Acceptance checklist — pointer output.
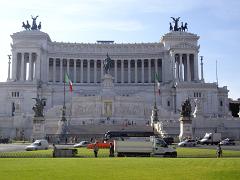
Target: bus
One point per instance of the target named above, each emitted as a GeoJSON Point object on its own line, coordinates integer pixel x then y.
{"type": "Point", "coordinates": [111, 135]}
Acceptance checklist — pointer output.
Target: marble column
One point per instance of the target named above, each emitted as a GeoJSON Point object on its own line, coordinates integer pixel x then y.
{"type": "Point", "coordinates": [188, 68]}
{"type": "Point", "coordinates": [149, 71]}
{"type": "Point", "coordinates": [68, 64]}
{"type": "Point", "coordinates": [136, 79]}
{"type": "Point", "coordinates": [47, 71]}
{"type": "Point", "coordinates": [156, 66]}
{"type": "Point", "coordinates": [142, 61]}
{"type": "Point", "coordinates": [81, 71]}
{"type": "Point", "coordinates": [95, 70]}
{"type": "Point", "coordinates": [115, 71]}
{"type": "Point", "coordinates": [177, 70]}
{"type": "Point", "coordinates": [54, 70]}
{"type": "Point", "coordinates": [30, 72]}
{"type": "Point", "coordinates": [196, 78]}
{"type": "Point", "coordinates": [88, 70]}
{"type": "Point", "coordinates": [61, 70]}
{"type": "Point", "coordinates": [102, 61]}
{"type": "Point", "coordinates": [173, 67]}
{"type": "Point", "coordinates": [74, 70]}
{"type": "Point", "coordinates": [181, 65]}
{"type": "Point", "coordinates": [22, 67]}
{"type": "Point", "coordinates": [122, 71]}
{"type": "Point", "coordinates": [14, 65]}
{"type": "Point", "coordinates": [129, 71]}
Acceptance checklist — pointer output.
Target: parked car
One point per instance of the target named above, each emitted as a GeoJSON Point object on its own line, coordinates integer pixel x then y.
{"type": "Point", "coordinates": [38, 145]}
{"type": "Point", "coordinates": [81, 144]}
{"type": "Point", "coordinates": [227, 141]}
{"type": "Point", "coordinates": [187, 143]}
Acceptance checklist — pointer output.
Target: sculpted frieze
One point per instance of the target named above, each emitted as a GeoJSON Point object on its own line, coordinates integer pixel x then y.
{"type": "Point", "coordinates": [84, 109]}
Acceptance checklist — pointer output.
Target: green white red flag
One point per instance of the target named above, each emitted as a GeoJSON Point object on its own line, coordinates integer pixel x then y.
{"type": "Point", "coordinates": [69, 82]}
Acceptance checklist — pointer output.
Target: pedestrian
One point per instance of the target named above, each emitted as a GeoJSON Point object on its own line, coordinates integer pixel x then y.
{"type": "Point", "coordinates": [219, 151]}
{"type": "Point", "coordinates": [54, 150]}
{"type": "Point", "coordinates": [95, 149]}
{"type": "Point", "coordinates": [111, 150]}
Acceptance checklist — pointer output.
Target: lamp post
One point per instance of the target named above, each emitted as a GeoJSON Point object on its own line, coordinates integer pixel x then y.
{"type": "Point", "coordinates": [9, 63]}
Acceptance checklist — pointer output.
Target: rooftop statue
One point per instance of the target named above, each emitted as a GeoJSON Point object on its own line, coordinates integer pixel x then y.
{"type": "Point", "coordinates": [34, 26]}
{"type": "Point", "coordinates": [107, 64]}
{"type": "Point", "coordinates": [176, 27]}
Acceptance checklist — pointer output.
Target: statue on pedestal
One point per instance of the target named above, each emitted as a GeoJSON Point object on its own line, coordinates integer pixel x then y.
{"type": "Point", "coordinates": [186, 121]}
{"type": "Point", "coordinates": [38, 119]}
{"type": "Point", "coordinates": [186, 109]}
{"type": "Point", "coordinates": [38, 108]}
{"type": "Point", "coordinates": [107, 64]}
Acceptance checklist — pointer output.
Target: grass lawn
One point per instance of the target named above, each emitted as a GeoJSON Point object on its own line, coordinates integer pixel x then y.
{"type": "Point", "coordinates": [120, 168]}
{"type": "Point", "coordinates": [83, 152]}
{"type": "Point", "coordinates": [192, 163]}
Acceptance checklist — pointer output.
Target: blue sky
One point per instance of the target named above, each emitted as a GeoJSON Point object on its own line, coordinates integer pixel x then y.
{"type": "Point", "coordinates": [217, 22]}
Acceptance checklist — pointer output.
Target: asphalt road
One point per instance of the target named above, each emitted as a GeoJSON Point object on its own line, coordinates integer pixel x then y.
{"type": "Point", "coordinates": [12, 147]}
{"type": "Point", "coordinates": [21, 147]}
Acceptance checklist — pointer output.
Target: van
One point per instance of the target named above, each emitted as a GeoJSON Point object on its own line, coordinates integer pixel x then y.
{"type": "Point", "coordinates": [38, 145]}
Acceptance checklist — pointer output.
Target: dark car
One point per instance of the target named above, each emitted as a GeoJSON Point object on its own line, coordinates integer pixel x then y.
{"type": "Point", "coordinates": [169, 140]}
{"type": "Point", "coordinates": [227, 141]}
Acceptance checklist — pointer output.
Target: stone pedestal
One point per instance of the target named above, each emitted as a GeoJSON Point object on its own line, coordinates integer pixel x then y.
{"type": "Point", "coordinates": [38, 128]}
{"type": "Point", "coordinates": [185, 128]}
{"type": "Point", "coordinates": [107, 85]}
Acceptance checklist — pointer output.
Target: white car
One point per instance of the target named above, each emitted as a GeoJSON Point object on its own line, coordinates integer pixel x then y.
{"type": "Point", "coordinates": [81, 144]}
{"type": "Point", "coordinates": [187, 143]}
{"type": "Point", "coordinates": [227, 141]}
{"type": "Point", "coordinates": [38, 145]}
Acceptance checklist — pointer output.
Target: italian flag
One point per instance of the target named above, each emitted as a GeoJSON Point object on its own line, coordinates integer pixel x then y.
{"type": "Point", "coordinates": [69, 82]}
{"type": "Point", "coordinates": [157, 79]}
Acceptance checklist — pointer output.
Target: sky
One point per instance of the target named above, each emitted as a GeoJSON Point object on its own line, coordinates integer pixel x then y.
{"type": "Point", "coordinates": [217, 22]}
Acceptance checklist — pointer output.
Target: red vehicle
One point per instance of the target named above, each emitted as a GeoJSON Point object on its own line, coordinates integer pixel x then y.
{"type": "Point", "coordinates": [101, 145]}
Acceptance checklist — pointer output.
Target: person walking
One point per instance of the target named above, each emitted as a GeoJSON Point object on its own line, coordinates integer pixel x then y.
{"type": "Point", "coordinates": [95, 149]}
{"type": "Point", "coordinates": [111, 150]}
{"type": "Point", "coordinates": [219, 151]}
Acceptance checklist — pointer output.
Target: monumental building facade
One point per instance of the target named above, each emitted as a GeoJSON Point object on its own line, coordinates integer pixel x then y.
{"type": "Point", "coordinates": [38, 67]}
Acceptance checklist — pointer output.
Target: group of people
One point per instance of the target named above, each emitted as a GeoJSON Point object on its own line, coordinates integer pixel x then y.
{"type": "Point", "coordinates": [96, 149]}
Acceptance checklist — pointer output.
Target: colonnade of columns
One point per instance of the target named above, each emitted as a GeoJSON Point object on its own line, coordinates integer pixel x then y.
{"type": "Point", "coordinates": [91, 71]}
{"type": "Point", "coordinates": [186, 67]}
{"type": "Point", "coordinates": [24, 66]}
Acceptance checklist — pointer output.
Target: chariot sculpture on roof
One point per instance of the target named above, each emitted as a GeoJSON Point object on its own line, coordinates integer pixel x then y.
{"type": "Point", "coordinates": [34, 26]}
{"type": "Point", "coordinates": [176, 27]}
